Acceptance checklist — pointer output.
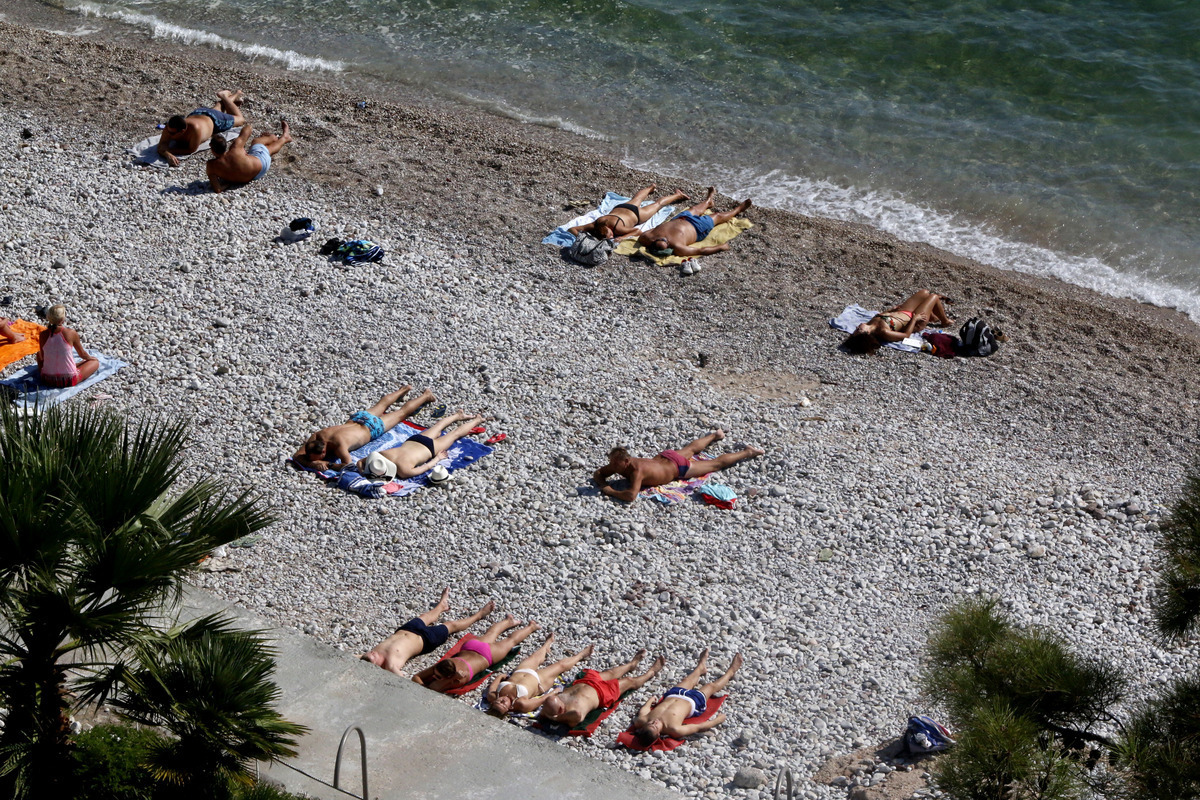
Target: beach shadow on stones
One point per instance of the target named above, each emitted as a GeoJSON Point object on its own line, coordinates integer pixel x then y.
{"type": "Point", "coordinates": [195, 187]}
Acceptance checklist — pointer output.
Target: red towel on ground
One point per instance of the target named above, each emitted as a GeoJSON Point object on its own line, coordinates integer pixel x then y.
{"type": "Point", "coordinates": [627, 738]}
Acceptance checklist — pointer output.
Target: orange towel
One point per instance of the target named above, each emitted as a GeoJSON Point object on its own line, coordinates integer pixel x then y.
{"type": "Point", "coordinates": [10, 353]}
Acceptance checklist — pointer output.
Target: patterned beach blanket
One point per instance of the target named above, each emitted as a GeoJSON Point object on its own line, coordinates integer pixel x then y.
{"type": "Point", "coordinates": [462, 453]}
{"type": "Point", "coordinates": [31, 394]}
{"type": "Point", "coordinates": [854, 315]}
{"type": "Point", "coordinates": [677, 491]}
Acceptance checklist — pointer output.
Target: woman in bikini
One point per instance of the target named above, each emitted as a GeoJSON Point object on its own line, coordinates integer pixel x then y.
{"type": "Point", "coordinates": [897, 324]}
{"type": "Point", "coordinates": [527, 687]}
{"type": "Point", "coordinates": [475, 656]}
{"type": "Point", "coordinates": [624, 220]}
{"type": "Point", "coordinates": [59, 346]}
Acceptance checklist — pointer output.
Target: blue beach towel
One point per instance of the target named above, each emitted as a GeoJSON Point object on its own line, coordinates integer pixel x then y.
{"type": "Point", "coordinates": [462, 453]}
{"type": "Point", "coordinates": [31, 393]}
{"type": "Point", "coordinates": [855, 315]}
{"type": "Point", "coordinates": [560, 238]}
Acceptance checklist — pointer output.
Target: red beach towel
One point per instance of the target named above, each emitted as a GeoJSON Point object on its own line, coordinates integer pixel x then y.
{"type": "Point", "coordinates": [665, 743]}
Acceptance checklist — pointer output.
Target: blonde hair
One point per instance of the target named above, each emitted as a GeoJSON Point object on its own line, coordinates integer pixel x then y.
{"type": "Point", "coordinates": [57, 315]}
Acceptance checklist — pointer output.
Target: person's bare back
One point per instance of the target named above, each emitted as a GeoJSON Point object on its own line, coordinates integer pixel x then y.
{"type": "Point", "coordinates": [666, 467]}
{"type": "Point", "coordinates": [234, 164]}
{"type": "Point", "coordinates": [333, 444]}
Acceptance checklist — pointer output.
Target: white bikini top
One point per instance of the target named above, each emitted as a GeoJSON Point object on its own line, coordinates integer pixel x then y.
{"type": "Point", "coordinates": [522, 691]}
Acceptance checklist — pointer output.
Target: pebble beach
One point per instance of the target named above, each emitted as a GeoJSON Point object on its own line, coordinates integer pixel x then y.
{"type": "Point", "coordinates": [892, 487]}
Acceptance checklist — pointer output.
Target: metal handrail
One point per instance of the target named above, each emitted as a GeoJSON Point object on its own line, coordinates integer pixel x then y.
{"type": "Point", "coordinates": [362, 741]}
{"type": "Point", "coordinates": [779, 784]}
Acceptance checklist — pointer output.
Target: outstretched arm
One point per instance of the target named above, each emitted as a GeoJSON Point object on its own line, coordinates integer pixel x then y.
{"type": "Point", "coordinates": [164, 149]}
{"type": "Point", "coordinates": [424, 677]}
{"type": "Point", "coordinates": [493, 690]}
{"type": "Point", "coordinates": [533, 703]}
{"type": "Point", "coordinates": [628, 495]}
{"type": "Point", "coordinates": [699, 727]}
{"type": "Point", "coordinates": [603, 474]}
{"type": "Point", "coordinates": [685, 250]}
{"type": "Point", "coordinates": [421, 469]}
{"type": "Point", "coordinates": [83, 353]}
{"type": "Point", "coordinates": [578, 229]}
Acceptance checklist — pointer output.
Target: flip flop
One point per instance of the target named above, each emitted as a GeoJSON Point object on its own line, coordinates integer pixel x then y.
{"type": "Point", "coordinates": [499, 437]}
{"type": "Point", "coordinates": [477, 429]}
{"type": "Point", "coordinates": [436, 411]}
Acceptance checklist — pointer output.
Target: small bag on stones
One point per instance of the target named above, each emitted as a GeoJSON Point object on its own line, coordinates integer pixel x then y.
{"type": "Point", "coordinates": [589, 250]}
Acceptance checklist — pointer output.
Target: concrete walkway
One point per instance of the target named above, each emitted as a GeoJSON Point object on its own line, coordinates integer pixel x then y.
{"type": "Point", "coordinates": [420, 745]}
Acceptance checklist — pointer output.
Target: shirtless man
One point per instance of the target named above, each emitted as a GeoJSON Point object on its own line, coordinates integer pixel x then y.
{"type": "Point", "coordinates": [420, 452]}
{"type": "Point", "coordinates": [623, 220]}
{"type": "Point", "coordinates": [527, 687]}
{"type": "Point", "coordinates": [667, 466]}
{"type": "Point", "coordinates": [664, 716]}
{"type": "Point", "coordinates": [182, 136]}
{"type": "Point", "coordinates": [475, 656]}
{"type": "Point", "coordinates": [232, 164]}
{"type": "Point", "coordinates": [333, 445]}
{"type": "Point", "coordinates": [421, 635]}
{"type": "Point", "coordinates": [677, 235]}
{"type": "Point", "coordinates": [594, 690]}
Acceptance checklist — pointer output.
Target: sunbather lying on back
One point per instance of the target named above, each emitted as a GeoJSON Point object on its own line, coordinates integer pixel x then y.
{"type": "Point", "coordinates": [667, 466]}
{"type": "Point", "coordinates": [897, 324]}
{"type": "Point", "coordinates": [421, 635]}
{"type": "Point", "coordinates": [527, 687]}
{"type": "Point", "coordinates": [331, 446]}
{"type": "Point", "coordinates": [419, 453]}
{"type": "Point", "coordinates": [624, 220]}
{"type": "Point", "coordinates": [677, 235]}
{"type": "Point", "coordinates": [594, 690]}
{"type": "Point", "coordinates": [664, 716]}
{"type": "Point", "coordinates": [475, 656]}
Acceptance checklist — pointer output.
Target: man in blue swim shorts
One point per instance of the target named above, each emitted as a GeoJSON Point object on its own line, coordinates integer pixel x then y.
{"type": "Point", "coordinates": [232, 164]}
{"type": "Point", "coordinates": [668, 715]}
{"type": "Point", "coordinates": [677, 235]}
{"type": "Point", "coordinates": [421, 635]}
{"type": "Point", "coordinates": [183, 136]}
{"type": "Point", "coordinates": [330, 448]}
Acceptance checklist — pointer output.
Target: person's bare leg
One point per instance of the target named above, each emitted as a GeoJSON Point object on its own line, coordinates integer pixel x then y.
{"type": "Point", "coordinates": [394, 418]}
{"type": "Point", "coordinates": [937, 311]}
{"type": "Point", "coordinates": [648, 211]}
{"type": "Point", "coordinates": [535, 659]}
{"type": "Point", "coordinates": [493, 633]}
{"type": "Point", "coordinates": [709, 689]}
{"type": "Point", "coordinates": [705, 204]}
{"type": "Point", "coordinates": [503, 647]}
{"type": "Point", "coordinates": [431, 616]}
{"type": "Point", "coordinates": [547, 675]}
{"type": "Point", "coordinates": [725, 216]}
{"type": "Point", "coordinates": [639, 681]}
{"type": "Point", "coordinates": [229, 104]}
{"type": "Point", "coordinates": [695, 675]}
{"type": "Point", "coordinates": [7, 334]}
{"type": "Point", "coordinates": [619, 671]}
{"type": "Point", "coordinates": [436, 429]}
{"type": "Point", "coordinates": [723, 461]}
{"type": "Point", "coordinates": [702, 444]}
{"type": "Point", "coordinates": [443, 443]}
{"type": "Point", "coordinates": [641, 196]}
{"type": "Point", "coordinates": [914, 303]}
{"type": "Point", "coordinates": [87, 369]}
{"type": "Point", "coordinates": [457, 625]}
{"type": "Point", "coordinates": [272, 142]}
{"type": "Point", "coordinates": [389, 400]}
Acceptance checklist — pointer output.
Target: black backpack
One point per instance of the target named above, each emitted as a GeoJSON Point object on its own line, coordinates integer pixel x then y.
{"type": "Point", "coordinates": [590, 251]}
{"type": "Point", "coordinates": [977, 338]}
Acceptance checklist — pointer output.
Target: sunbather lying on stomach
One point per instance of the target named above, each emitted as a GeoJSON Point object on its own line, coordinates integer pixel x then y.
{"type": "Point", "coordinates": [623, 220]}
{"type": "Point", "coordinates": [664, 716]}
{"type": "Point", "coordinates": [182, 136]}
{"type": "Point", "coordinates": [420, 452]}
{"type": "Point", "coordinates": [677, 235]}
{"type": "Point", "coordinates": [420, 635]}
{"type": "Point", "coordinates": [897, 324]}
{"type": "Point", "coordinates": [667, 466]}
{"type": "Point", "coordinates": [331, 446]}
{"type": "Point", "coordinates": [474, 657]}
{"type": "Point", "coordinates": [594, 690]}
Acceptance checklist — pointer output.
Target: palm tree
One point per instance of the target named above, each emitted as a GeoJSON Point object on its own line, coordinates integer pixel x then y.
{"type": "Point", "coordinates": [96, 535]}
{"type": "Point", "coordinates": [209, 684]}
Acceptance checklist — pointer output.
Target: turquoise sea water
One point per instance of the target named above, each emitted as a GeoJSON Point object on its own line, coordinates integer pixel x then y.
{"type": "Point", "coordinates": [1053, 137]}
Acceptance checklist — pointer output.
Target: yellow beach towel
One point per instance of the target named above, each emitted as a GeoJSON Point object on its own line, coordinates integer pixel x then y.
{"type": "Point", "coordinates": [720, 234]}
{"type": "Point", "coordinates": [10, 353]}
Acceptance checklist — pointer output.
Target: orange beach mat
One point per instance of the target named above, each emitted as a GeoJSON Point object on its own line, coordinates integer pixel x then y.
{"type": "Point", "coordinates": [10, 353]}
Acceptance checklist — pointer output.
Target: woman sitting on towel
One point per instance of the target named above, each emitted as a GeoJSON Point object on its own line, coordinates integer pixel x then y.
{"type": "Point", "coordinates": [55, 360]}
{"type": "Point", "coordinates": [896, 325]}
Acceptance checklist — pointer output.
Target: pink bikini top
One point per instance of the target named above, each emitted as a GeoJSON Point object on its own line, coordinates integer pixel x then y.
{"type": "Point", "coordinates": [58, 357]}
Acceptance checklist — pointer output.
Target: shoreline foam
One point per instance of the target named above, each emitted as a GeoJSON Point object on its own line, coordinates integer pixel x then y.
{"type": "Point", "coordinates": [1091, 394]}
